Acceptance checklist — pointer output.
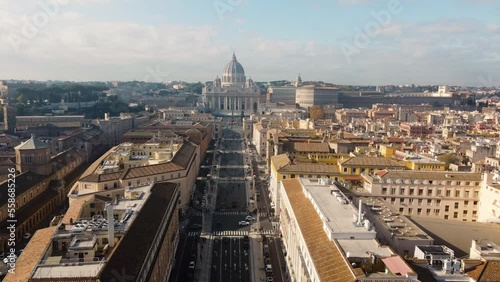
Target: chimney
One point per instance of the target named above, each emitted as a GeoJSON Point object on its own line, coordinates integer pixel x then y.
{"type": "Point", "coordinates": [111, 226]}
{"type": "Point", "coordinates": [106, 116]}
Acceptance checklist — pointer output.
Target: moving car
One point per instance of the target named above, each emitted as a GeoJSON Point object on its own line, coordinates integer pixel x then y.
{"type": "Point", "coordinates": [249, 218]}
{"type": "Point", "coordinates": [191, 265]}
{"type": "Point", "coordinates": [243, 223]}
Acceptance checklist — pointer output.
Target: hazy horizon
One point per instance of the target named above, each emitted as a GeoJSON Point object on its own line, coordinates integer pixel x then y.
{"type": "Point", "coordinates": [345, 42]}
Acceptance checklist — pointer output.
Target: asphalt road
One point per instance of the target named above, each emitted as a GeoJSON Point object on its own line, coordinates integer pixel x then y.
{"type": "Point", "coordinates": [230, 260]}
{"type": "Point", "coordinates": [187, 251]}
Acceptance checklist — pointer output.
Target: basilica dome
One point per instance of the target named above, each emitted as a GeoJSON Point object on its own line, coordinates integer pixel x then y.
{"type": "Point", "coordinates": [233, 73]}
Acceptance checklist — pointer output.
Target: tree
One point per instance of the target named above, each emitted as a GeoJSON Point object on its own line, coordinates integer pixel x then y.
{"type": "Point", "coordinates": [448, 159]}
{"type": "Point", "coordinates": [316, 112]}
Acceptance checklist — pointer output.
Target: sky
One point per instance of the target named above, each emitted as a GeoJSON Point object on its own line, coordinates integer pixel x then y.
{"type": "Point", "coordinates": [357, 42]}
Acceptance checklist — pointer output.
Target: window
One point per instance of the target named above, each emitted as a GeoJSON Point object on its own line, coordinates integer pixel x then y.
{"type": "Point", "coordinates": [436, 211]}
{"type": "Point", "coordinates": [446, 217]}
{"type": "Point", "coordinates": [428, 212]}
{"type": "Point", "coordinates": [412, 191]}
{"type": "Point", "coordinates": [420, 192]}
{"type": "Point", "coordinates": [448, 193]}
{"type": "Point", "coordinates": [384, 190]}
{"type": "Point", "coordinates": [438, 192]}
{"type": "Point", "coordinates": [401, 210]}
{"type": "Point", "coordinates": [410, 210]}
{"type": "Point", "coordinates": [284, 176]}
{"type": "Point", "coordinates": [419, 211]}
{"type": "Point", "coordinates": [402, 191]}
{"type": "Point", "coordinates": [465, 212]}
{"type": "Point", "coordinates": [455, 215]}
{"type": "Point", "coordinates": [466, 193]}
{"type": "Point", "coordinates": [345, 169]}
{"type": "Point", "coordinates": [429, 202]}
{"type": "Point", "coordinates": [475, 203]}
{"type": "Point", "coordinates": [456, 205]}
{"type": "Point", "coordinates": [401, 200]}
{"type": "Point", "coordinates": [438, 202]}
{"type": "Point", "coordinates": [393, 191]}
{"type": "Point", "coordinates": [92, 205]}
{"type": "Point", "coordinates": [419, 202]}
{"type": "Point", "coordinates": [457, 193]}
{"type": "Point", "coordinates": [446, 208]}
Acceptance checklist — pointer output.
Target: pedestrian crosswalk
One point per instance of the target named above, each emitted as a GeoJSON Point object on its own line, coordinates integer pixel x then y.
{"type": "Point", "coordinates": [261, 214]}
{"type": "Point", "coordinates": [231, 233]}
{"type": "Point", "coordinates": [231, 213]}
{"type": "Point", "coordinates": [267, 232]}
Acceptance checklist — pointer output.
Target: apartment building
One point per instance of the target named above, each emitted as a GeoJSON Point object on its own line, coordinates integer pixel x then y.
{"type": "Point", "coordinates": [416, 129]}
{"type": "Point", "coordinates": [363, 164]}
{"type": "Point", "coordinates": [327, 239]}
{"type": "Point", "coordinates": [441, 194]}
{"type": "Point", "coordinates": [412, 161]}
{"type": "Point", "coordinates": [285, 94]}
{"type": "Point", "coordinates": [489, 199]}
{"type": "Point", "coordinates": [393, 229]}
{"type": "Point", "coordinates": [40, 186]}
{"type": "Point", "coordinates": [349, 115]}
{"type": "Point", "coordinates": [25, 122]}
{"type": "Point", "coordinates": [182, 169]}
{"type": "Point", "coordinates": [132, 233]}
{"type": "Point", "coordinates": [310, 95]}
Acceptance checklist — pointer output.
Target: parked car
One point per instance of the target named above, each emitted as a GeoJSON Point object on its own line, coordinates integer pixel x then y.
{"type": "Point", "coordinates": [26, 236]}
{"type": "Point", "coordinates": [244, 223]}
{"type": "Point", "coordinates": [191, 265]}
{"type": "Point", "coordinates": [249, 218]}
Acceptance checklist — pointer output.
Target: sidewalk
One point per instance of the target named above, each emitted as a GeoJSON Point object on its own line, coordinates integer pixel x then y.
{"type": "Point", "coordinates": [256, 258]}
{"type": "Point", "coordinates": [205, 246]}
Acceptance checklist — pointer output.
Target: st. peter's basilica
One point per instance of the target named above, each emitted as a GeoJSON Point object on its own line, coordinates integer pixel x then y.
{"type": "Point", "coordinates": [233, 94]}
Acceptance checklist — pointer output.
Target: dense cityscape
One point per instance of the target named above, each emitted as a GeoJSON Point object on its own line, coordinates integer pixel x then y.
{"type": "Point", "coordinates": [240, 181]}
{"type": "Point", "coordinates": [285, 178]}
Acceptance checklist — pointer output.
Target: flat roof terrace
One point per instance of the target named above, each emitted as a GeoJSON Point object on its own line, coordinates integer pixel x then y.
{"type": "Point", "coordinates": [399, 225]}
{"type": "Point", "coordinates": [83, 236]}
{"type": "Point", "coordinates": [335, 211]}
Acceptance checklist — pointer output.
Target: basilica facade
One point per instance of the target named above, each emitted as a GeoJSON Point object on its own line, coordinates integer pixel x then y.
{"type": "Point", "coordinates": [233, 94]}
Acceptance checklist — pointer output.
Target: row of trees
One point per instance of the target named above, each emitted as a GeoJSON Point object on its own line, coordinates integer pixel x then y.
{"type": "Point", "coordinates": [54, 94]}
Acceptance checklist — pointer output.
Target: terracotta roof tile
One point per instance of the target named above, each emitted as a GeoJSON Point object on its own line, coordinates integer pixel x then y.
{"type": "Point", "coordinates": [330, 264]}
{"type": "Point", "coordinates": [31, 255]}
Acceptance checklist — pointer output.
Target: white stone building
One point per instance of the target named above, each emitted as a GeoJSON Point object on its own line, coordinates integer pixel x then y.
{"type": "Point", "coordinates": [233, 94]}
{"type": "Point", "coordinates": [489, 199]}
